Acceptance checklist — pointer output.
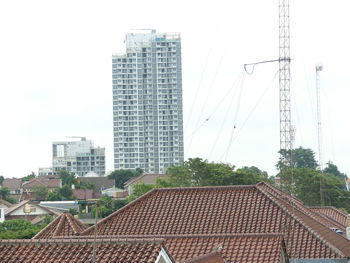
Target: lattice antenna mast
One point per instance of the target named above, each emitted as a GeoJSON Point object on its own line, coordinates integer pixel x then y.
{"type": "Point", "coordinates": [319, 128]}
{"type": "Point", "coordinates": [284, 81]}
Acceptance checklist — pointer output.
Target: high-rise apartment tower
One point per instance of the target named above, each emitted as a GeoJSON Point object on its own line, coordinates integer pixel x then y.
{"type": "Point", "coordinates": [147, 102]}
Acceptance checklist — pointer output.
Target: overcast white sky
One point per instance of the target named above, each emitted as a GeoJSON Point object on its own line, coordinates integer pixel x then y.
{"type": "Point", "coordinates": [55, 76]}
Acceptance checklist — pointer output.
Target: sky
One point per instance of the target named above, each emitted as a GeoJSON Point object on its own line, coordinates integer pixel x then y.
{"type": "Point", "coordinates": [56, 76]}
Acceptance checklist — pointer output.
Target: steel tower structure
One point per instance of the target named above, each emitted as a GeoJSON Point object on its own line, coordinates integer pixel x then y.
{"type": "Point", "coordinates": [284, 81]}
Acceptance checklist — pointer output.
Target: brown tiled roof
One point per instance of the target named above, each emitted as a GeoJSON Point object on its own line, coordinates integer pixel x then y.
{"type": "Point", "coordinates": [144, 178]}
{"type": "Point", "coordinates": [12, 183]}
{"type": "Point", "coordinates": [83, 194]}
{"type": "Point", "coordinates": [255, 209]}
{"type": "Point", "coordinates": [100, 182]}
{"type": "Point", "coordinates": [214, 257]}
{"type": "Point", "coordinates": [50, 183]}
{"type": "Point", "coordinates": [265, 248]}
{"type": "Point", "coordinates": [80, 250]}
{"type": "Point", "coordinates": [63, 225]}
{"type": "Point", "coordinates": [332, 213]}
{"type": "Point", "coordinates": [4, 202]}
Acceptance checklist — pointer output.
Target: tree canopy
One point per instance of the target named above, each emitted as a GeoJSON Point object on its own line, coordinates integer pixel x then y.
{"type": "Point", "coordinates": [300, 158]}
{"type": "Point", "coordinates": [121, 176]}
{"type": "Point", "coordinates": [199, 172]}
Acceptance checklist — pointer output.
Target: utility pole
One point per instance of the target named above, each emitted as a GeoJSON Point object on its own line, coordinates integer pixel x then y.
{"type": "Point", "coordinates": [284, 81]}
{"type": "Point", "coordinates": [319, 128]}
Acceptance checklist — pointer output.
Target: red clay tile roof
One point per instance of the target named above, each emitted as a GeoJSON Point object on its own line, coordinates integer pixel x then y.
{"type": "Point", "coordinates": [254, 209]}
{"type": "Point", "coordinates": [50, 183]}
{"type": "Point", "coordinates": [247, 248]}
{"type": "Point", "coordinates": [63, 225]}
{"type": "Point", "coordinates": [12, 183]}
{"type": "Point", "coordinates": [144, 178]}
{"type": "Point", "coordinates": [332, 213]}
{"type": "Point", "coordinates": [4, 202]}
{"type": "Point", "coordinates": [80, 250]}
{"type": "Point", "coordinates": [83, 194]}
{"type": "Point", "coordinates": [214, 257]}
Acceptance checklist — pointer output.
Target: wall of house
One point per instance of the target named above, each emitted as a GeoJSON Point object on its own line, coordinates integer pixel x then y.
{"type": "Point", "coordinates": [38, 211]}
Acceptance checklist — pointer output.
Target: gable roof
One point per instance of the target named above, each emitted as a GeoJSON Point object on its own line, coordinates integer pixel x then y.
{"type": "Point", "coordinates": [214, 257]}
{"type": "Point", "coordinates": [144, 178]}
{"type": "Point", "coordinates": [255, 209]}
{"type": "Point", "coordinates": [63, 225]}
{"type": "Point", "coordinates": [5, 203]}
{"type": "Point", "coordinates": [80, 250]}
{"type": "Point", "coordinates": [12, 183]}
{"type": "Point", "coordinates": [100, 182]}
{"type": "Point", "coordinates": [83, 194]}
{"type": "Point", "coordinates": [332, 213]}
{"type": "Point", "coordinates": [13, 208]}
{"type": "Point", "coordinates": [231, 248]}
{"type": "Point", "coordinates": [50, 183]}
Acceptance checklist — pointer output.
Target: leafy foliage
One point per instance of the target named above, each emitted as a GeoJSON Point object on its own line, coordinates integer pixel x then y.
{"type": "Point", "coordinates": [66, 192]}
{"type": "Point", "coordinates": [308, 184]}
{"type": "Point", "coordinates": [67, 178]}
{"type": "Point", "coordinates": [40, 192]}
{"type": "Point", "coordinates": [19, 229]}
{"type": "Point", "coordinates": [1, 179]}
{"type": "Point", "coordinates": [121, 176]}
{"type": "Point", "coordinates": [84, 185]}
{"type": "Point", "coordinates": [107, 206]}
{"type": "Point", "coordinates": [140, 189]}
{"type": "Point", "coordinates": [301, 158]}
{"type": "Point", "coordinates": [54, 196]}
{"type": "Point", "coordinates": [198, 172]}
{"type": "Point", "coordinates": [28, 177]}
{"type": "Point", "coordinates": [5, 194]}
{"type": "Point", "coordinates": [333, 169]}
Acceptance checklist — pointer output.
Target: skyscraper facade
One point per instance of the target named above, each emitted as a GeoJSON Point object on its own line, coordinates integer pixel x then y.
{"type": "Point", "coordinates": [79, 157]}
{"type": "Point", "coordinates": [147, 103]}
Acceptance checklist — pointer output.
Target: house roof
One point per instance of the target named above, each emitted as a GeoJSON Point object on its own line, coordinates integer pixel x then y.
{"type": "Point", "coordinates": [100, 182]}
{"type": "Point", "coordinates": [226, 248]}
{"type": "Point", "coordinates": [50, 183]}
{"type": "Point", "coordinates": [214, 257]}
{"type": "Point", "coordinates": [250, 209]}
{"type": "Point", "coordinates": [332, 213]}
{"type": "Point", "coordinates": [80, 250]}
{"type": "Point", "coordinates": [63, 225]}
{"type": "Point", "coordinates": [83, 194]}
{"type": "Point", "coordinates": [5, 203]}
{"type": "Point", "coordinates": [12, 184]}
{"type": "Point", "coordinates": [21, 204]}
{"type": "Point", "coordinates": [144, 178]}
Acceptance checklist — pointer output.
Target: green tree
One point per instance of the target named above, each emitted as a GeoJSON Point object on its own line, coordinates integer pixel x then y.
{"type": "Point", "coordinates": [40, 192]}
{"type": "Point", "coordinates": [301, 158]}
{"type": "Point", "coordinates": [198, 172]}
{"type": "Point", "coordinates": [333, 169]}
{"type": "Point", "coordinates": [140, 189]}
{"type": "Point", "coordinates": [106, 206]}
{"type": "Point", "coordinates": [28, 177]}
{"type": "Point", "coordinates": [1, 179]}
{"type": "Point", "coordinates": [67, 178]}
{"type": "Point", "coordinates": [66, 192]}
{"type": "Point", "coordinates": [54, 196]}
{"type": "Point", "coordinates": [121, 176]}
{"type": "Point", "coordinates": [4, 193]}
{"type": "Point", "coordinates": [308, 184]}
{"type": "Point", "coordinates": [18, 229]}
{"type": "Point", "coordinates": [84, 185]}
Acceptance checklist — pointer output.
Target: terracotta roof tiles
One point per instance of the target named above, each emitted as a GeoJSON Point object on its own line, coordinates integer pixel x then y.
{"type": "Point", "coordinates": [259, 209]}
{"type": "Point", "coordinates": [80, 250]}
{"type": "Point", "coordinates": [63, 225]}
{"type": "Point", "coordinates": [332, 213]}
